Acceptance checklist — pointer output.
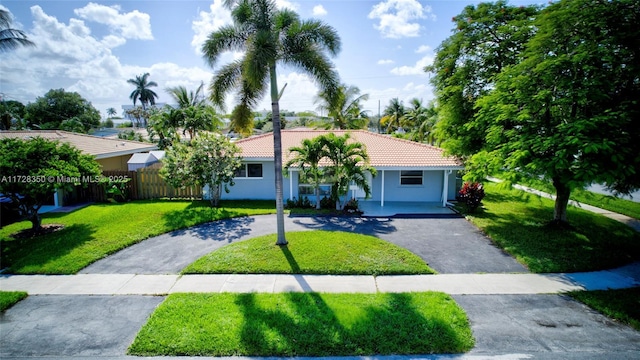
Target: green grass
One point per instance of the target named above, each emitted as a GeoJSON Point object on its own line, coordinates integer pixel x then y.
{"type": "Point", "coordinates": [312, 252]}
{"type": "Point", "coordinates": [10, 298]}
{"type": "Point", "coordinates": [304, 324]}
{"type": "Point", "coordinates": [517, 222]}
{"type": "Point", "coordinates": [607, 202]}
{"type": "Point", "coordinates": [622, 305]}
{"type": "Point", "coordinates": [96, 231]}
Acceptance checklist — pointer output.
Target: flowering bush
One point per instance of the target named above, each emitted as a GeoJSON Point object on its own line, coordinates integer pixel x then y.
{"type": "Point", "coordinates": [471, 195]}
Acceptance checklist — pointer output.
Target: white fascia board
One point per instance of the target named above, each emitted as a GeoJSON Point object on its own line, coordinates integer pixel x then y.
{"type": "Point", "coordinates": [125, 152]}
{"type": "Point", "coordinates": [426, 168]}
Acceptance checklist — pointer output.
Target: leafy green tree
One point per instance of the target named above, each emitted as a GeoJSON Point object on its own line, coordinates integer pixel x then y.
{"type": "Point", "coordinates": [269, 36]}
{"type": "Point", "coordinates": [11, 39]}
{"type": "Point", "coordinates": [130, 135]}
{"type": "Point", "coordinates": [12, 114]}
{"type": "Point", "coordinates": [140, 115]}
{"type": "Point", "coordinates": [344, 107]}
{"type": "Point", "coordinates": [72, 125]}
{"type": "Point", "coordinates": [58, 105]}
{"type": "Point", "coordinates": [486, 39]}
{"type": "Point", "coordinates": [199, 118]}
{"type": "Point", "coordinates": [349, 164]}
{"type": "Point", "coordinates": [569, 110]}
{"type": "Point", "coordinates": [31, 170]}
{"type": "Point", "coordinates": [393, 115]}
{"type": "Point", "coordinates": [163, 126]}
{"type": "Point", "coordinates": [307, 158]}
{"type": "Point", "coordinates": [142, 91]}
{"type": "Point", "coordinates": [209, 159]}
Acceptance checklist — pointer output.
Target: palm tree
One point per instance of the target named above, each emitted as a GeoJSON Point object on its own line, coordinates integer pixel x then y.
{"type": "Point", "coordinates": [344, 107]}
{"type": "Point", "coordinates": [269, 36]}
{"type": "Point", "coordinates": [199, 118]}
{"type": "Point", "coordinates": [11, 39]}
{"type": "Point", "coordinates": [142, 91]}
{"type": "Point", "coordinates": [111, 112]}
{"type": "Point", "coordinates": [307, 158]}
{"type": "Point", "coordinates": [349, 164]}
{"type": "Point", "coordinates": [393, 115]}
{"type": "Point", "coordinates": [422, 120]}
{"type": "Point", "coordinates": [185, 98]}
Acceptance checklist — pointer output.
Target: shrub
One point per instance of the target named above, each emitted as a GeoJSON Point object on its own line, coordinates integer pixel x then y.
{"type": "Point", "coordinates": [327, 203]}
{"type": "Point", "coordinates": [471, 195]}
{"type": "Point", "coordinates": [351, 206]}
{"type": "Point", "coordinates": [301, 203]}
{"type": "Point", "coordinates": [107, 123]}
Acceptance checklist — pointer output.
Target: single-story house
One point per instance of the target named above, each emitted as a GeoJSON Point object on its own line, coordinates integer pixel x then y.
{"type": "Point", "coordinates": [111, 154]}
{"type": "Point", "coordinates": [407, 171]}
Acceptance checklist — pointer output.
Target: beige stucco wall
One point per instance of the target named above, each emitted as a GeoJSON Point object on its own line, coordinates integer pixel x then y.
{"type": "Point", "coordinates": [114, 163]}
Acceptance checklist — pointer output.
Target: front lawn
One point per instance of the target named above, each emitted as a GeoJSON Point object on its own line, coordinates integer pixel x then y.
{"type": "Point", "coordinates": [622, 305]}
{"type": "Point", "coordinates": [607, 202]}
{"type": "Point", "coordinates": [312, 252]}
{"type": "Point", "coordinates": [96, 231]}
{"type": "Point", "coordinates": [518, 222]}
{"type": "Point", "coordinates": [10, 298]}
{"type": "Point", "coordinates": [304, 324]}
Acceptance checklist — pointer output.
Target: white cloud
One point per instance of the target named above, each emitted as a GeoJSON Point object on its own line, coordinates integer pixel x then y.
{"type": "Point", "coordinates": [131, 25]}
{"type": "Point", "coordinates": [385, 62]}
{"type": "Point", "coordinates": [282, 4]}
{"type": "Point", "coordinates": [68, 56]}
{"type": "Point", "coordinates": [319, 10]}
{"type": "Point", "coordinates": [208, 22]}
{"type": "Point", "coordinates": [298, 96]}
{"type": "Point", "coordinates": [423, 49]}
{"type": "Point", "coordinates": [417, 69]}
{"type": "Point", "coordinates": [399, 18]}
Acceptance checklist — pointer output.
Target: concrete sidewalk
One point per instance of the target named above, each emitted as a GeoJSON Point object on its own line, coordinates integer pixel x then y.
{"type": "Point", "coordinates": [455, 284]}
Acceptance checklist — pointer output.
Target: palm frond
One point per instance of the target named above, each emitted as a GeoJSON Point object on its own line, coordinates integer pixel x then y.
{"type": "Point", "coordinates": [226, 38]}
{"type": "Point", "coordinates": [225, 79]}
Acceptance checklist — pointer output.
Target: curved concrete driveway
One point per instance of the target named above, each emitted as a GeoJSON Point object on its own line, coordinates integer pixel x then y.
{"type": "Point", "coordinates": [448, 245]}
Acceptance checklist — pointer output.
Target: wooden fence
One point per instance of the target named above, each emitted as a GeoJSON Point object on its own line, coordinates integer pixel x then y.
{"type": "Point", "coordinates": [145, 183]}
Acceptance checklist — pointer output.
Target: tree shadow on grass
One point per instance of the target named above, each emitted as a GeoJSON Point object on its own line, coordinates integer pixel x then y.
{"type": "Point", "coordinates": [591, 242]}
{"type": "Point", "coordinates": [306, 325]}
{"type": "Point", "coordinates": [41, 253]}
{"type": "Point", "coordinates": [366, 226]}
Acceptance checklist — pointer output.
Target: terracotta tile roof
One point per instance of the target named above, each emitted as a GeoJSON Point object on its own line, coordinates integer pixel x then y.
{"type": "Point", "coordinates": [383, 150]}
{"type": "Point", "coordinates": [97, 146]}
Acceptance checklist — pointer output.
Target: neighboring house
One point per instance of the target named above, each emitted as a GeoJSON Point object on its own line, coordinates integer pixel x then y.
{"type": "Point", "coordinates": [407, 171]}
{"type": "Point", "coordinates": [142, 160]}
{"type": "Point", "coordinates": [111, 154]}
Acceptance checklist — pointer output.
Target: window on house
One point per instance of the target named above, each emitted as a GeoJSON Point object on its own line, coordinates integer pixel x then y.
{"type": "Point", "coordinates": [308, 190]}
{"type": "Point", "coordinates": [249, 171]}
{"type": "Point", "coordinates": [411, 177]}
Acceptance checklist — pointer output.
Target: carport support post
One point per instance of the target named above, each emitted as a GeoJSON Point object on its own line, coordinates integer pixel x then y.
{"type": "Point", "coordinates": [382, 191]}
{"type": "Point", "coordinates": [445, 186]}
{"type": "Point", "coordinates": [290, 184]}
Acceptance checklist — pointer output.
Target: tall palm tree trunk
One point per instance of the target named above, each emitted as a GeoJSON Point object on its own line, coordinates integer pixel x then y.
{"type": "Point", "coordinates": [277, 155]}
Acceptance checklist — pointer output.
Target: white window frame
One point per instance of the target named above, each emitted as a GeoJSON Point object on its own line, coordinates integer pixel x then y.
{"type": "Point", "coordinates": [421, 177]}
{"type": "Point", "coordinates": [325, 189]}
{"type": "Point", "coordinates": [246, 171]}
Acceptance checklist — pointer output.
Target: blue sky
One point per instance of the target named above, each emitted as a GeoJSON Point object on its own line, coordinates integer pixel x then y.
{"type": "Point", "coordinates": [94, 47]}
